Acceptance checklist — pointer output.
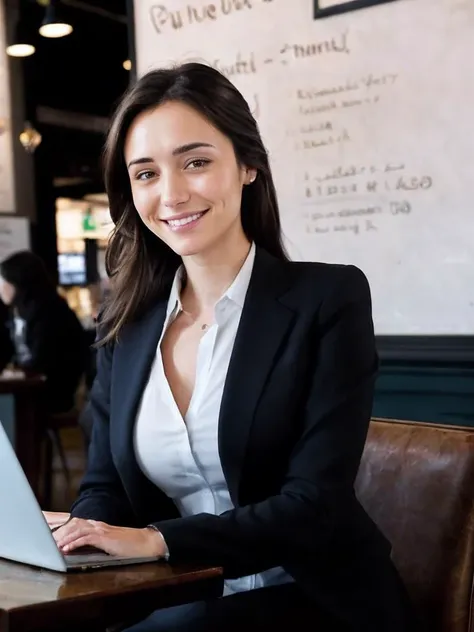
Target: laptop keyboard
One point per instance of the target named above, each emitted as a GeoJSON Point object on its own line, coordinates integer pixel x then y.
{"type": "Point", "coordinates": [85, 550]}
{"type": "Point", "coordinates": [86, 555]}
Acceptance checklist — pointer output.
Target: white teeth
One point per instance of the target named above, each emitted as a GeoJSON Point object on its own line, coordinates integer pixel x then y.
{"type": "Point", "coordinates": [185, 220]}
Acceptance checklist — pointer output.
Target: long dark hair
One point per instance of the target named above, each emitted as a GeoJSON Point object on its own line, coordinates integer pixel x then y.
{"type": "Point", "coordinates": [34, 287]}
{"type": "Point", "coordinates": [140, 265]}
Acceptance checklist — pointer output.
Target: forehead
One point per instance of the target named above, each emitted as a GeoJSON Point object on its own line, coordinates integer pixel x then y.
{"type": "Point", "coordinates": [168, 126]}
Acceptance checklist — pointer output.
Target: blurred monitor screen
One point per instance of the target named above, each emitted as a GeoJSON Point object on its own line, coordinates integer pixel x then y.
{"type": "Point", "coordinates": [72, 268]}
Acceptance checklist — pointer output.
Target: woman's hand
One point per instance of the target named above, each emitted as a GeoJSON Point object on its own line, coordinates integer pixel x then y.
{"type": "Point", "coordinates": [120, 541]}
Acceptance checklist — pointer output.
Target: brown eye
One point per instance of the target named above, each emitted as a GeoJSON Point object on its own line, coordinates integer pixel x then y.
{"type": "Point", "coordinates": [198, 163]}
{"type": "Point", "coordinates": [144, 175]}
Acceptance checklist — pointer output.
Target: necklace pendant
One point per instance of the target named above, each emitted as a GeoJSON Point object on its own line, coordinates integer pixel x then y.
{"type": "Point", "coordinates": [204, 327]}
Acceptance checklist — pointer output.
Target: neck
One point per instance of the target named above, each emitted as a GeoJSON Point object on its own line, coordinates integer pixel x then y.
{"type": "Point", "coordinates": [209, 275]}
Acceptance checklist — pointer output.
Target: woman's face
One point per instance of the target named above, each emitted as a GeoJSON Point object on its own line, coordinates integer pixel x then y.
{"type": "Point", "coordinates": [185, 180]}
{"type": "Point", "coordinates": [7, 291]}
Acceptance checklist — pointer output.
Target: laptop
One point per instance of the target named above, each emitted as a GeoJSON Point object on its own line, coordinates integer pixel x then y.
{"type": "Point", "coordinates": [26, 537]}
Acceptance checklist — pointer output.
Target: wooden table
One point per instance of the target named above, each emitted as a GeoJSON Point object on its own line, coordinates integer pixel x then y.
{"type": "Point", "coordinates": [27, 393]}
{"type": "Point", "coordinates": [33, 600]}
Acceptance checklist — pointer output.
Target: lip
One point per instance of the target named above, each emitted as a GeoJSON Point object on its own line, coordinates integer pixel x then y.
{"type": "Point", "coordinates": [183, 215]}
{"type": "Point", "coordinates": [188, 226]}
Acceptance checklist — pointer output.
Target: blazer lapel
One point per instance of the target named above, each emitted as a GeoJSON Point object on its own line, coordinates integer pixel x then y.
{"type": "Point", "coordinates": [263, 325]}
{"type": "Point", "coordinates": [133, 358]}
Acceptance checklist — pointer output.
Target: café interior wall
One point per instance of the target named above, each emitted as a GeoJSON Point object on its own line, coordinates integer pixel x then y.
{"type": "Point", "coordinates": [437, 392]}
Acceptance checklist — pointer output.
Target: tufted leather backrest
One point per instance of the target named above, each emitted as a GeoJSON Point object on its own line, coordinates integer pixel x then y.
{"type": "Point", "coordinates": [416, 481]}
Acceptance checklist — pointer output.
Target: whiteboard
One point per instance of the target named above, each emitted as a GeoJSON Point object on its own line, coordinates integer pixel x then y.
{"type": "Point", "coordinates": [7, 203]}
{"type": "Point", "coordinates": [368, 118]}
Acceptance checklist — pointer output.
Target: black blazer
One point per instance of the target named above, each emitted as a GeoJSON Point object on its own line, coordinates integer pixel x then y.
{"type": "Point", "coordinates": [292, 426]}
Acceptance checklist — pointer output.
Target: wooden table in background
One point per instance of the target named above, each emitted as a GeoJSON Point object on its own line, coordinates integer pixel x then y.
{"type": "Point", "coordinates": [34, 600]}
{"type": "Point", "coordinates": [27, 394]}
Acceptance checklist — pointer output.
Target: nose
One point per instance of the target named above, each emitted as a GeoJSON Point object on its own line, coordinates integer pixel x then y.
{"type": "Point", "coordinates": [174, 190]}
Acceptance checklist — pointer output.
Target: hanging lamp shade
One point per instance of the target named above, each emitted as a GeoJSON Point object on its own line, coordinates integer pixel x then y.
{"type": "Point", "coordinates": [53, 26]}
{"type": "Point", "coordinates": [30, 138]}
{"type": "Point", "coordinates": [21, 45]}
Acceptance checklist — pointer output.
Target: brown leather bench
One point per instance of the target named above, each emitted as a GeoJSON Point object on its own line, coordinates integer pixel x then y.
{"type": "Point", "coordinates": [416, 480]}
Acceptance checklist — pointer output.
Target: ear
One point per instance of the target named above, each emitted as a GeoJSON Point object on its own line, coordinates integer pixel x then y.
{"type": "Point", "coordinates": [250, 175]}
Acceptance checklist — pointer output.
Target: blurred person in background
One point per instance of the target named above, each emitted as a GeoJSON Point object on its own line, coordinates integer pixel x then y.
{"type": "Point", "coordinates": [47, 336]}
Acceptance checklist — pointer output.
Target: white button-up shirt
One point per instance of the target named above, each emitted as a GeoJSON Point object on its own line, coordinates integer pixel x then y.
{"type": "Point", "coordinates": [181, 456]}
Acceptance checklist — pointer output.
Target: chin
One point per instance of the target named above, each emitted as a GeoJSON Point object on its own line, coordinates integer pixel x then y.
{"type": "Point", "coordinates": [192, 245]}
{"type": "Point", "coordinates": [187, 247]}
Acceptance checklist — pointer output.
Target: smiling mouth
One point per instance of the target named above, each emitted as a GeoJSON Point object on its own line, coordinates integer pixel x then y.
{"type": "Point", "coordinates": [176, 223]}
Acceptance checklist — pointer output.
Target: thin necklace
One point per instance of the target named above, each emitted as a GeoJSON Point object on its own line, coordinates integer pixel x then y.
{"type": "Point", "coordinates": [204, 326]}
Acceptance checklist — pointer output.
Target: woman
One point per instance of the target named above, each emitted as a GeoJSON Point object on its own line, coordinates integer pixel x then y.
{"type": "Point", "coordinates": [234, 388]}
{"type": "Point", "coordinates": [46, 334]}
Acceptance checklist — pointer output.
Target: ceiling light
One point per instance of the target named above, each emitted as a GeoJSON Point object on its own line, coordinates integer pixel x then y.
{"type": "Point", "coordinates": [21, 45]}
{"type": "Point", "coordinates": [52, 25]}
{"type": "Point", "coordinates": [20, 50]}
{"type": "Point", "coordinates": [30, 138]}
{"type": "Point", "coordinates": [56, 29]}
{"type": "Point", "coordinates": [127, 64]}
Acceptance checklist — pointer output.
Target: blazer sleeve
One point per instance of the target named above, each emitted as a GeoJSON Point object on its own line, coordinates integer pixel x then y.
{"type": "Point", "coordinates": [101, 493]}
{"type": "Point", "coordinates": [317, 495]}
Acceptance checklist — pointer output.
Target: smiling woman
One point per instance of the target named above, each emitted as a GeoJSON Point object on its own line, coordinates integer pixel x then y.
{"type": "Point", "coordinates": [188, 194]}
{"type": "Point", "coordinates": [189, 146]}
{"type": "Point", "coordinates": [234, 387]}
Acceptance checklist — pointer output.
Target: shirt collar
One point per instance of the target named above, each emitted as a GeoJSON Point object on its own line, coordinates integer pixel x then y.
{"type": "Point", "coordinates": [236, 292]}
{"type": "Point", "coordinates": [174, 301]}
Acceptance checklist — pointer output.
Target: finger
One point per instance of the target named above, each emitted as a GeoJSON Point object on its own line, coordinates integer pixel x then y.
{"type": "Point", "coordinates": [69, 524]}
{"type": "Point", "coordinates": [63, 531]}
{"type": "Point", "coordinates": [69, 527]}
{"type": "Point", "coordinates": [95, 540]}
{"type": "Point", "coordinates": [73, 534]}
{"type": "Point", "coordinates": [85, 540]}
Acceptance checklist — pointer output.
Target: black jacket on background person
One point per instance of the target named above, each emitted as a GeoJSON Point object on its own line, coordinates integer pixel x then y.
{"type": "Point", "coordinates": [49, 339]}
{"type": "Point", "coordinates": [293, 422]}
{"type": "Point", "coordinates": [6, 345]}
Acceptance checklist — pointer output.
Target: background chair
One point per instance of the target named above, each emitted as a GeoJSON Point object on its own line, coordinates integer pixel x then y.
{"type": "Point", "coordinates": [76, 417]}
{"type": "Point", "coordinates": [416, 481]}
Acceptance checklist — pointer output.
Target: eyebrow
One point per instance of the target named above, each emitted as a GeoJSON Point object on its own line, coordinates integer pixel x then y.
{"type": "Point", "coordinates": [190, 147]}
{"type": "Point", "coordinates": [182, 149]}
